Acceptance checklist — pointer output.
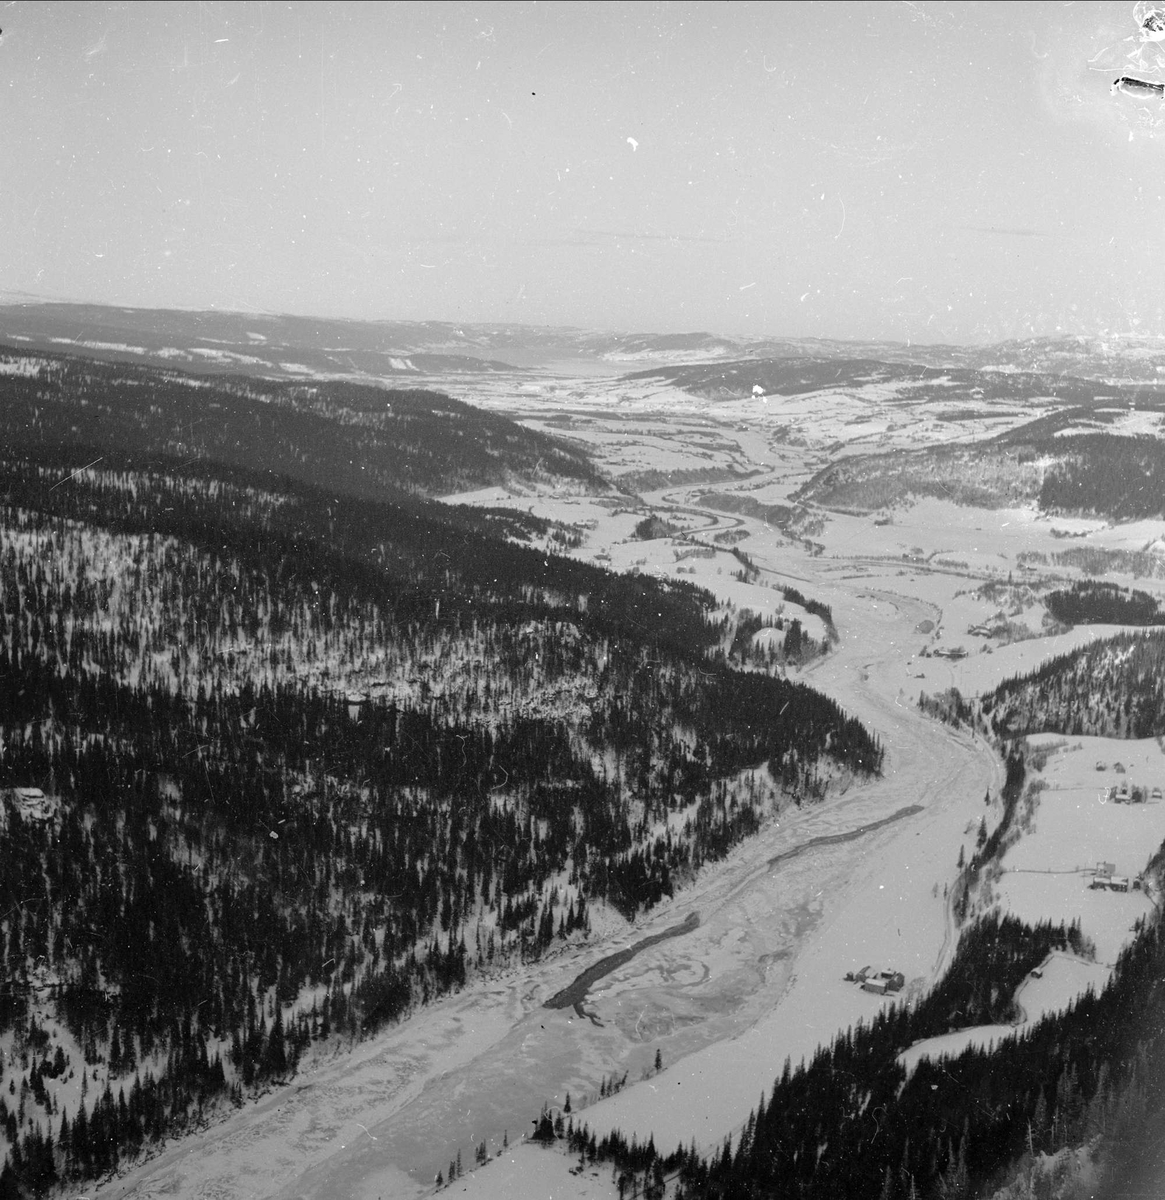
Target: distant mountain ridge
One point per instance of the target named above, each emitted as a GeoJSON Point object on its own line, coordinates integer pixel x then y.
{"type": "Point", "coordinates": [799, 375]}
{"type": "Point", "coordinates": [285, 346]}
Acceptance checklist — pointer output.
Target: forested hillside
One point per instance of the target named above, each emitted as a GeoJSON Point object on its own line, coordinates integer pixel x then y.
{"type": "Point", "coordinates": [360, 440]}
{"type": "Point", "coordinates": [1118, 477]}
{"type": "Point", "coordinates": [1095, 474]}
{"type": "Point", "coordinates": [1110, 688]}
{"type": "Point", "coordinates": [312, 759]}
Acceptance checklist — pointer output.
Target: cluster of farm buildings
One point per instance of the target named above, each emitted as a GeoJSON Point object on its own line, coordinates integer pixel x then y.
{"type": "Point", "coordinates": [1103, 877]}
{"type": "Point", "coordinates": [881, 983]}
{"type": "Point", "coordinates": [1125, 792]}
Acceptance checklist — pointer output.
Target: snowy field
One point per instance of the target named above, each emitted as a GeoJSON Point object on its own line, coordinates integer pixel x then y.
{"type": "Point", "coordinates": [1076, 824]}
{"type": "Point", "coordinates": [1063, 979]}
{"type": "Point", "coordinates": [527, 1171]}
{"type": "Point", "coordinates": [860, 879]}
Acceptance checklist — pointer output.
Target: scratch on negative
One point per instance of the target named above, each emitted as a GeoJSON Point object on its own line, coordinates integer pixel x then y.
{"type": "Point", "coordinates": [76, 473]}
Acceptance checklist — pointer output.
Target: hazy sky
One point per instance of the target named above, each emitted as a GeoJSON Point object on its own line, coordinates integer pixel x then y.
{"type": "Point", "coordinates": [915, 171]}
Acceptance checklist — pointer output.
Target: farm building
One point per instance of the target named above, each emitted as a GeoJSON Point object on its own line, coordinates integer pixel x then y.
{"type": "Point", "coordinates": [878, 982]}
{"type": "Point", "coordinates": [1104, 878]}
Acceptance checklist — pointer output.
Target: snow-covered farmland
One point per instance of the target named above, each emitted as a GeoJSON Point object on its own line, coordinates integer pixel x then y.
{"type": "Point", "coordinates": [1061, 979]}
{"type": "Point", "coordinates": [1076, 824]}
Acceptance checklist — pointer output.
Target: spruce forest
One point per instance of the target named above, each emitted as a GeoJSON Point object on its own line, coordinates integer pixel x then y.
{"type": "Point", "coordinates": [1093, 603]}
{"type": "Point", "coordinates": [1111, 688]}
{"type": "Point", "coordinates": [311, 759]}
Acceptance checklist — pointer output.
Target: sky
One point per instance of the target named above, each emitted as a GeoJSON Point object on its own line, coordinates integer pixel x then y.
{"type": "Point", "coordinates": [934, 173]}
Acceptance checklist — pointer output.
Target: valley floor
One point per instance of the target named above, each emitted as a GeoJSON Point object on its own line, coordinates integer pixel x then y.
{"type": "Point", "coordinates": [759, 979]}
{"type": "Point", "coordinates": [861, 879]}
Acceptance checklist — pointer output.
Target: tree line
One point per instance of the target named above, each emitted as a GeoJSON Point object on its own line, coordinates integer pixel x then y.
{"type": "Point", "coordinates": [1094, 603]}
